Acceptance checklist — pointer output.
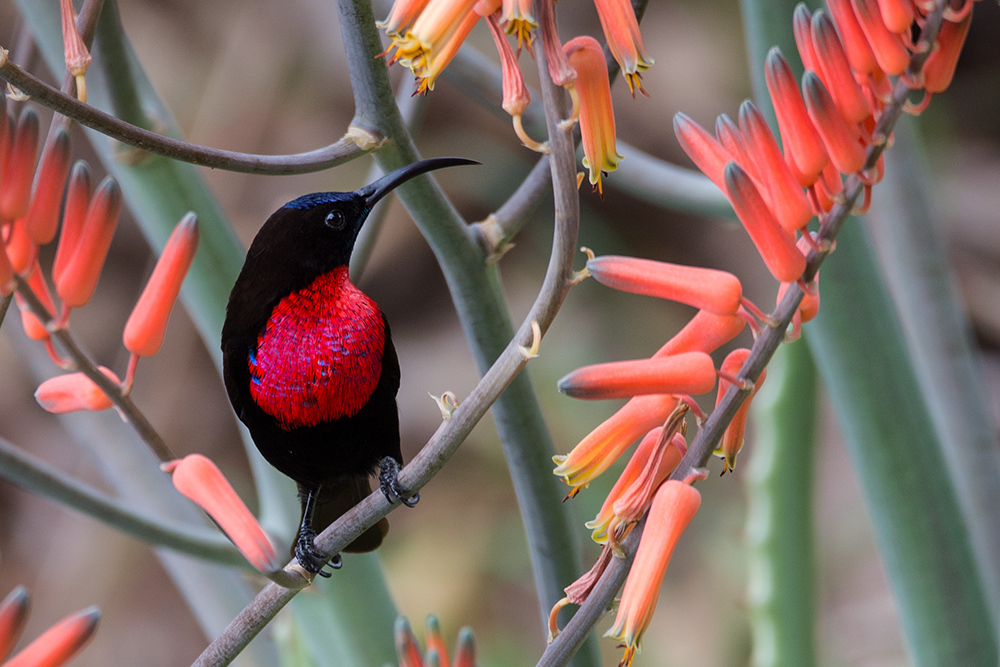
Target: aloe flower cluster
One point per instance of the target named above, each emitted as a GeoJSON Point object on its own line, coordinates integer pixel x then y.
{"type": "Point", "coordinates": [853, 52]}
{"type": "Point", "coordinates": [54, 647]}
{"type": "Point", "coordinates": [426, 34]}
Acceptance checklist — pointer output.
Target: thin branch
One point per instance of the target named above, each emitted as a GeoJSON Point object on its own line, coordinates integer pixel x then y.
{"type": "Point", "coordinates": [128, 409]}
{"type": "Point", "coordinates": [562, 648]}
{"type": "Point", "coordinates": [5, 306]}
{"type": "Point", "coordinates": [36, 476]}
{"type": "Point", "coordinates": [357, 142]}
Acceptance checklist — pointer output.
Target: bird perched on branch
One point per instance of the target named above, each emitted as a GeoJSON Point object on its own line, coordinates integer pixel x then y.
{"type": "Point", "coordinates": [309, 363]}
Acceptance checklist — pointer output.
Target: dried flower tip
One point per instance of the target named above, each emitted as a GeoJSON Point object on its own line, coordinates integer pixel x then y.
{"type": "Point", "coordinates": [74, 392]}
{"type": "Point", "coordinates": [77, 282]}
{"type": "Point", "coordinates": [13, 615]}
{"type": "Point", "coordinates": [803, 146]}
{"type": "Point", "coordinates": [57, 645]}
{"type": "Point", "coordinates": [197, 478]}
{"type": "Point", "coordinates": [897, 15]}
{"type": "Point", "coordinates": [602, 446]}
{"type": "Point", "coordinates": [673, 507]}
{"type": "Point", "coordinates": [597, 117]}
{"type": "Point", "coordinates": [401, 16]}
{"type": "Point", "coordinates": [703, 149]}
{"type": "Point", "coordinates": [43, 213]}
{"type": "Point", "coordinates": [579, 590]}
{"type": "Point", "coordinates": [75, 51]}
{"type": "Point", "coordinates": [516, 97]}
{"type": "Point", "coordinates": [842, 141]}
{"type": "Point", "coordinates": [732, 439]}
{"type": "Point", "coordinates": [19, 170]}
{"type": "Point", "coordinates": [77, 202]}
{"type": "Point", "coordinates": [706, 332]}
{"type": "Point", "coordinates": [707, 289]}
{"type": "Point", "coordinates": [940, 66]}
{"type": "Point", "coordinates": [787, 200]}
{"type": "Point", "coordinates": [621, 30]}
{"type": "Point", "coordinates": [601, 523]}
{"type": "Point", "coordinates": [782, 258]}
{"type": "Point", "coordinates": [407, 648]}
{"type": "Point", "coordinates": [146, 325]}
{"type": "Point", "coordinates": [859, 52]}
{"type": "Point", "coordinates": [835, 70]}
{"type": "Point", "coordinates": [517, 19]}
{"type": "Point", "coordinates": [560, 71]}
{"type": "Point", "coordinates": [687, 373]}
{"type": "Point", "coordinates": [890, 53]}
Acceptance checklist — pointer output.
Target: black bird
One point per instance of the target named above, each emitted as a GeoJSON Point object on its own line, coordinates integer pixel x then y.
{"type": "Point", "coordinates": [309, 363]}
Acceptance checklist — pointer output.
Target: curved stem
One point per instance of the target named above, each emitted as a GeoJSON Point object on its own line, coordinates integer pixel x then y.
{"type": "Point", "coordinates": [562, 648]}
{"type": "Point", "coordinates": [357, 142]}
{"type": "Point", "coordinates": [36, 476]}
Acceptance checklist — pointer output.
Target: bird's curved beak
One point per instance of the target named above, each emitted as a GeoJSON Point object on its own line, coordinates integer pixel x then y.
{"type": "Point", "coordinates": [380, 188]}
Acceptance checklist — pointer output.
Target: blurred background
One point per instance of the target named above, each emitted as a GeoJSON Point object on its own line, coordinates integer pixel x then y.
{"type": "Point", "coordinates": [268, 77]}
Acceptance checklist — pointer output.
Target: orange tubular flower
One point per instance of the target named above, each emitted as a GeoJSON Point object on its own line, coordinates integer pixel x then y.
{"type": "Point", "coordinates": [60, 642]}
{"type": "Point", "coordinates": [732, 139]}
{"type": "Point", "coordinates": [430, 33]}
{"type": "Point", "coordinates": [146, 325]}
{"type": "Point", "coordinates": [199, 480]}
{"type": "Point", "coordinates": [33, 326]}
{"type": "Point", "coordinates": [940, 66]}
{"type": "Point", "coordinates": [407, 646]}
{"type": "Point", "coordinates": [788, 202]}
{"type": "Point", "coordinates": [673, 507]}
{"type": "Point", "coordinates": [621, 30]}
{"type": "Point", "coordinates": [705, 332]}
{"type": "Point", "coordinates": [435, 640]}
{"type": "Point", "coordinates": [408, 651]}
{"type": "Point", "coordinates": [517, 19]}
{"type": "Point", "coordinates": [13, 616]}
{"type": "Point", "coordinates": [897, 15]}
{"type": "Point", "coordinates": [890, 53]}
{"type": "Point", "coordinates": [732, 439]}
{"type": "Point", "coordinates": [15, 190]}
{"type": "Point", "coordinates": [856, 46]}
{"type": "Point", "coordinates": [78, 280]}
{"type": "Point", "coordinates": [21, 250]}
{"type": "Point", "coordinates": [435, 63]}
{"type": "Point", "coordinates": [43, 214]}
{"type": "Point", "coordinates": [687, 373]}
{"type": "Point", "coordinates": [73, 392]}
{"type": "Point", "coordinates": [703, 149]}
{"type": "Point", "coordinates": [77, 202]}
{"type": "Point", "coordinates": [77, 55]}
{"type": "Point", "coordinates": [842, 141]}
{"type": "Point", "coordinates": [782, 258]}
{"type": "Point", "coordinates": [803, 146]}
{"type": "Point", "coordinates": [706, 289]}
{"type": "Point", "coordinates": [602, 447]}
{"type": "Point", "coordinates": [401, 16]}
{"type": "Point", "coordinates": [835, 71]}
{"type": "Point", "coordinates": [597, 117]}
{"type": "Point", "coordinates": [802, 29]}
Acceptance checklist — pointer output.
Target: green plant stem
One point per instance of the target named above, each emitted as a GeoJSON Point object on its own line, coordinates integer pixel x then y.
{"type": "Point", "coordinates": [112, 56]}
{"type": "Point", "coordinates": [911, 253]}
{"type": "Point", "coordinates": [475, 290]}
{"type": "Point", "coordinates": [779, 528]}
{"type": "Point", "coordinates": [36, 476]}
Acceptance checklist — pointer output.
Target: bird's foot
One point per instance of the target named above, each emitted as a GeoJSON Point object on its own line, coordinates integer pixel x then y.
{"type": "Point", "coordinates": [310, 558]}
{"type": "Point", "coordinates": [388, 481]}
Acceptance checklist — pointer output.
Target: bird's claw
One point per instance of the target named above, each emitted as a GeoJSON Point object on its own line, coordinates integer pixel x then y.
{"type": "Point", "coordinates": [388, 481]}
{"type": "Point", "coordinates": [310, 559]}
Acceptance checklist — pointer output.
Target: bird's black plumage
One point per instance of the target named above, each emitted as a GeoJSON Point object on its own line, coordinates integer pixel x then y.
{"type": "Point", "coordinates": [308, 359]}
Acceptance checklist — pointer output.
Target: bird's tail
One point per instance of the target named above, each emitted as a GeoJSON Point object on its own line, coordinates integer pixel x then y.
{"type": "Point", "coordinates": [335, 499]}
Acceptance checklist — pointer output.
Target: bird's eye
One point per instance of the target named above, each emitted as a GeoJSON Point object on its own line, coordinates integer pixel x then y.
{"type": "Point", "coordinates": [335, 219]}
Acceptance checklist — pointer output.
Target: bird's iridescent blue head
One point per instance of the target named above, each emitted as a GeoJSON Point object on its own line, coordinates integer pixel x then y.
{"type": "Point", "coordinates": [320, 229]}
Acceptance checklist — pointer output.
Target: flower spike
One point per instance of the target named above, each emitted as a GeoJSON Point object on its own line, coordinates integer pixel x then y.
{"type": "Point", "coordinates": [77, 282]}
{"type": "Point", "coordinates": [43, 214]}
{"type": "Point", "coordinates": [803, 146]}
{"type": "Point", "coordinates": [73, 392]}
{"type": "Point", "coordinates": [673, 507]}
{"type": "Point", "coordinates": [621, 30]}
{"type": "Point", "coordinates": [597, 117]}
{"type": "Point", "coordinates": [19, 171]}
{"type": "Point", "coordinates": [77, 201]}
{"type": "Point", "coordinates": [782, 258]}
{"type": "Point", "coordinates": [197, 478]}
{"type": "Point", "coordinates": [788, 201]}
{"type": "Point", "coordinates": [842, 141]}
{"type": "Point", "coordinates": [57, 645]}
{"type": "Point", "coordinates": [707, 289]}
{"type": "Point", "coordinates": [687, 373]}
{"type": "Point", "coordinates": [703, 149]}
{"type": "Point", "coordinates": [835, 71]}
{"type": "Point", "coordinates": [146, 325]}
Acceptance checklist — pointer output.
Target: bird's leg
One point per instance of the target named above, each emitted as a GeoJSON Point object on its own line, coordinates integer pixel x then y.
{"type": "Point", "coordinates": [305, 547]}
{"type": "Point", "coordinates": [388, 481]}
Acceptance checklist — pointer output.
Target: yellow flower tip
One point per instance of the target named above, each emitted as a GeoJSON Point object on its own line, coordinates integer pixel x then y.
{"type": "Point", "coordinates": [147, 324]}
{"type": "Point", "coordinates": [57, 645]}
{"type": "Point", "coordinates": [197, 478]}
{"type": "Point", "coordinates": [74, 392]}
{"type": "Point", "coordinates": [516, 19]}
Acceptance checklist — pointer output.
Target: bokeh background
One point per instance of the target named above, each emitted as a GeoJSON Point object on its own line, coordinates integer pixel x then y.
{"type": "Point", "coordinates": [270, 77]}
